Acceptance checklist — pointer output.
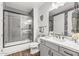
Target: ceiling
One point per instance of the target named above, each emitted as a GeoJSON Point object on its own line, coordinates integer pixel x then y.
{"type": "Point", "coordinates": [66, 6]}
{"type": "Point", "coordinates": [24, 6]}
{"type": "Point", "coordinates": [28, 6]}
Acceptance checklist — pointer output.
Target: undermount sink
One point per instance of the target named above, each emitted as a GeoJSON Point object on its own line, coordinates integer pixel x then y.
{"type": "Point", "coordinates": [54, 38]}
{"type": "Point", "coordinates": [60, 40]}
{"type": "Point", "coordinates": [66, 41]}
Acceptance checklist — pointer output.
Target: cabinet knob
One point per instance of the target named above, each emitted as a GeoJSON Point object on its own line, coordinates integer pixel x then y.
{"type": "Point", "coordinates": [52, 53]}
{"type": "Point", "coordinates": [49, 52]}
{"type": "Point", "coordinates": [68, 53]}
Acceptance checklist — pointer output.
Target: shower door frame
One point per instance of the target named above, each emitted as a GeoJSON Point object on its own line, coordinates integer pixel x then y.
{"type": "Point", "coordinates": [4, 26]}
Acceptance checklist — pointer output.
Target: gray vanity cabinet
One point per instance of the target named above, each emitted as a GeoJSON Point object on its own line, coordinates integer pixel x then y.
{"type": "Point", "coordinates": [48, 49]}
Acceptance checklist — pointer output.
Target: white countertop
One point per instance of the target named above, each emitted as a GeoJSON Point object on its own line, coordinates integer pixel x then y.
{"type": "Point", "coordinates": [63, 43]}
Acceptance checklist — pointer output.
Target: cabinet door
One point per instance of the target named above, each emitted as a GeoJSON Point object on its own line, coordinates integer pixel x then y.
{"type": "Point", "coordinates": [44, 50]}
{"type": "Point", "coordinates": [55, 53]}
{"type": "Point", "coordinates": [52, 45]}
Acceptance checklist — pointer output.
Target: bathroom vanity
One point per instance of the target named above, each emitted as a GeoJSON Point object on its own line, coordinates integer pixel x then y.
{"type": "Point", "coordinates": [62, 21]}
{"type": "Point", "coordinates": [53, 47]}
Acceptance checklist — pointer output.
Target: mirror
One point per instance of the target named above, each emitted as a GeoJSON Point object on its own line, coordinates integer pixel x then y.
{"type": "Point", "coordinates": [61, 20]}
{"type": "Point", "coordinates": [75, 19]}
{"type": "Point", "coordinates": [75, 22]}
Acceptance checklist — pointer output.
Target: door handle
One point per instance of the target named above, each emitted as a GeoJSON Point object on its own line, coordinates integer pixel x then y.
{"type": "Point", "coordinates": [52, 53]}
{"type": "Point", "coordinates": [49, 52]}
{"type": "Point", "coordinates": [68, 53]}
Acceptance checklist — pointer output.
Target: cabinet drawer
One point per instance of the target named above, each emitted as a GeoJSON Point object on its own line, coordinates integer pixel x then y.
{"type": "Point", "coordinates": [67, 52]}
{"type": "Point", "coordinates": [52, 45]}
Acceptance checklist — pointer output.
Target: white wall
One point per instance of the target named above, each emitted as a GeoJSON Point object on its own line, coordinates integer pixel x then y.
{"type": "Point", "coordinates": [38, 11]}
{"type": "Point", "coordinates": [59, 23]}
{"type": "Point", "coordinates": [1, 25]}
{"type": "Point", "coordinates": [35, 18]}
{"type": "Point", "coordinates": [44, 10]}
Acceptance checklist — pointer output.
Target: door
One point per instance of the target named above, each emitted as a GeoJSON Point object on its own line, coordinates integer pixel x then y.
{"type": "Point", "coordinates": [14, 27]}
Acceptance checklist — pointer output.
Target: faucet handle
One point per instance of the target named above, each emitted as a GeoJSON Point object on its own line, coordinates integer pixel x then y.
{"type": "Point", "coordinates": [62, 37]}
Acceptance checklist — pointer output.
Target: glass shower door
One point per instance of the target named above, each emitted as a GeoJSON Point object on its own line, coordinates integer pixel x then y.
{"type": "Point", "coordinates": [17, 29]}
{"type": "Point", "coordinates": [14, 27]}
{"type": "Point", "coordinates": [26, 28]}
{"type": "Point", "coordinates": [11, 27]}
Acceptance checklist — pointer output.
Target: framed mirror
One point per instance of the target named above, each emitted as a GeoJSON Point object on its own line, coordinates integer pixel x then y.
{"type": "Point", "coordinates": [60, 21]}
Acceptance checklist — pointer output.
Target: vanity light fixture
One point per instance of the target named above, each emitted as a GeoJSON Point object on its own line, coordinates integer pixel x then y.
{"type": "Point", "coordinates": [55, 5]}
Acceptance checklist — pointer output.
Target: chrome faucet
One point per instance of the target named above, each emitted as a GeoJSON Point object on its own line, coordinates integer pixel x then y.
{"type": "Point", "coordinates": [62, 37]}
